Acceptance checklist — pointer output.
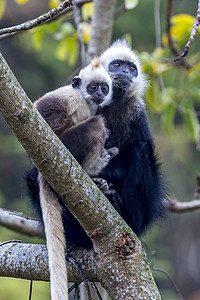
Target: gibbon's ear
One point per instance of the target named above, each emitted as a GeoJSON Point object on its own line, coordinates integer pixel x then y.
{"type": "Point", "coordinates": [76, 82]}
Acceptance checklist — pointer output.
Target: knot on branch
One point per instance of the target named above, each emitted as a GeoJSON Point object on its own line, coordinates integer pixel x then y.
{"type": "Point", "coordinates": [97, 233]}
{"type": "Point", "coordinates": [22, 115]}
{"type": "Point", "coordinates": [67, 3]}
{"type": "Point", "coordinates": [125, 245]}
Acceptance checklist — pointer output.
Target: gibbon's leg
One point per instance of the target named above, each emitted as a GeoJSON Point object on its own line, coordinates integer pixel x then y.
{"type": "Point", "coordinates": [86, 143]}
{"type": "Point", "coordinates": [56, 244]}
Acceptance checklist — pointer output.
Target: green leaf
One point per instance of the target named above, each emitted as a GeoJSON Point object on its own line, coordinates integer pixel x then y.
{"type": "Point", "coordinates": [86, 29]}
{"type": "Point", "coordinates": [67, 50]}
{"type": "Point", "coordinates": [130, 4]}
{"type": "Point", "coordinates": [182, 25]}
{"type": "Point", "coordinates": [195, 92]}
{"type": "Point", "coordinates": [54, 3]}
{"type": "Point", "coordinates": [2, 8]}
{"type": "Point", "coordinates": [167, 118]}
{"type": "Point", "coordinates": [67, 28]}
{"type": "Point", "coordinates": [73, 50]}
{"type": "Point", "coordinates": [87, 11]}
{"type": "Point", "coordinates": [128, 38]}
{"type": "Point", "coordinates": [21, 2]}
{"type": "Point", "coordinates": [190, 120]}
{"type": "Point", "coordinates": [37, 39]}
{"type": "Point", "coordinates": [155, 98]}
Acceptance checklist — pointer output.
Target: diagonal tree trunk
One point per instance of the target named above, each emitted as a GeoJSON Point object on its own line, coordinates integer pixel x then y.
{"type": "Point", "coordinates": [121, 262]}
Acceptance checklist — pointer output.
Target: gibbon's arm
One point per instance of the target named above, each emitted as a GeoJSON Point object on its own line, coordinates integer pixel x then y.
{"type": "Point", "coordinates": [86, 142]}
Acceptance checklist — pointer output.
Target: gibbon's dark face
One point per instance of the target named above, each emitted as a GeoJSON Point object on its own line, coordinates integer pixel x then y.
{"type": "Point", "coordinates": [98, 91]}
{"type": "Point", "coordinates": [123, 72]}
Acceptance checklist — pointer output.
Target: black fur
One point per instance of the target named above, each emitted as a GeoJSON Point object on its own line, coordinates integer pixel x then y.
{"type": "Point", "coordinates": [74, 233]}
{"type": "Point", "coordinates": [135, 171]}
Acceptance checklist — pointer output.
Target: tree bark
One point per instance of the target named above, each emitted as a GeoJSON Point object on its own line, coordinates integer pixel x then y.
{"type": "Point", "coordinates": [102, 26]}
{"type": "Point", "coordinates": [121, 262]}
{"type": "Point", "coordinates": [20, 223]}
{"type": "Point", "coordinates": [30, 261]}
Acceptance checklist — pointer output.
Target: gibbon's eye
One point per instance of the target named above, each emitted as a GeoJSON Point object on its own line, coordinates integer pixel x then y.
{"type": "Point", "coordinates": [132, 67]}
{"type": "Point", "coordinates": [116, 65]}
{"type": "Point", "coordinates": [92, 87]}
{"type": "Point", "coordinates": [105, 88]}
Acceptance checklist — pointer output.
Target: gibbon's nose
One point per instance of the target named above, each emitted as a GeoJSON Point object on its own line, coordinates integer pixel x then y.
{"type": "Point", "coordinates": [125, 71]}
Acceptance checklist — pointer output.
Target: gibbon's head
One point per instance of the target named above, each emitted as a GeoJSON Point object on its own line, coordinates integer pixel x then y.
{"type": "Point", "coordinates": [95, 84]}
{"type": "Point", "coordinates": [124, 68]}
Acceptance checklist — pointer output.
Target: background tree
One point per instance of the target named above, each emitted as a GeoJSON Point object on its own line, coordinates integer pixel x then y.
{"type": "Point", "coordinates": [174, 97]}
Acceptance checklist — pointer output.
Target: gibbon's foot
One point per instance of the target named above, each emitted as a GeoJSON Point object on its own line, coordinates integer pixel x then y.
{"type": "Point", "coordinates": [109, 192]}
{"type": "Point", "coordinates": [113, 151]}
{"type": "Point", "coordinates": [102, 184]}
{"type": "Point", "coordinates": [106, 156]}
{"type": "Point", "coordinates": [114, 198]}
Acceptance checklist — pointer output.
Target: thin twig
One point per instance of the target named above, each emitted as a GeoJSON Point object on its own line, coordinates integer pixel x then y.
{"type": "Point", "coordinates": [178, 292]}
{"type": "Point", "coordinates": [30, 290]}
{"type": "Point", "coordinates": [11, 241]}
{"type": "Point", "coordinates": [81, 273]}
{"type": "Point", "coordinates": [38, 21]}
{"type": "Point", "coordinates": [77, 19]}
{"type": "Point", "coordinates": [172, 45]}
{"type": "Point", "coordinates": [192, 35]}
{"type": "Point", "coordinates": [152, 261]}
{"type": "Point", "coordinates": [96, 290]}
{"type": "Point", "coordinates": [20, 223]}
{"type": "Point", "coordinates": [197, 191]}
{"type": "Point", "coordinates": [119, 11]}
{"type": "Point", "coordinates": [181, 207]}
{"type": "Point", "coordinates": [158, 38]}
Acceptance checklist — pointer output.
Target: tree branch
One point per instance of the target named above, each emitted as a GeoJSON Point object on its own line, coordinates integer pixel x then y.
{"type": "Point", "coordinates": [38, 21]}
{"type": "Point", "coordinates": [172, 45]}
{"type": "Point", "coordinates": [192, 36]}
{"type": "Point", "coordinates": [77, 19]}
{"type": "Point", "coordinates": [117, 250]}
{"type": "Point", "coordinates": [19, 222]}
{"type": "Point", "coordinates": [102, 25]}
{"type": "Point", "coordinates": [30, 261]}
{"type": "Point", "coordinates": [181, 207]}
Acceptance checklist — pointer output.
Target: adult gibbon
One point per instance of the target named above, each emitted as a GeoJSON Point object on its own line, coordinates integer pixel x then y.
{"type": "Point", "coordinates": [70, 113]}
{"type": "Point", "coordinates": [135, 172]}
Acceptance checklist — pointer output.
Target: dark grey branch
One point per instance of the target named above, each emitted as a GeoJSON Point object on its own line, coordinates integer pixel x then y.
{"type": "Point", "coordinates": [38, 21]}
{"type": "Point", "coordinates": [102, 25]}
{"type": "Point", "coordinates": [192, 36]}
{"type": "Point", "coordinates": [77, 19]}
{"type": "Point", "coordinates": [30, 261]}
{"type": "Point", "coordinates": [172, 45]}
{"type": "Point", "coordinates": [20, 223]}
{"type": "Point", "coordinates": [94, 212]}
{"type": "Point", "coordinates": [174, 205]}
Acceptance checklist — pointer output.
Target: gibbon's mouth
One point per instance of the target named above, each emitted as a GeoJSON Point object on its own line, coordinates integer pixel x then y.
{"type": "Point", "coordinates": [122, 82]}
{"type": "Point", "coordinates": [123, 77]}
{"type": "Point", "coordinates": [98, 100]}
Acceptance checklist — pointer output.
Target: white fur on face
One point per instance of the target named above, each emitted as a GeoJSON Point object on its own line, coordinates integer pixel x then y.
{"type": "Point", "coordinates": [96, 74]}
{"type": "Point", "coordinates": [121, 50]}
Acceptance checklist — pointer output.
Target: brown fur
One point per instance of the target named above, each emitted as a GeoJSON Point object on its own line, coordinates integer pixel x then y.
{"type": "Point", "coordinates": [63, 108]}
{"type": "Point", "coordinates": [69, 115]}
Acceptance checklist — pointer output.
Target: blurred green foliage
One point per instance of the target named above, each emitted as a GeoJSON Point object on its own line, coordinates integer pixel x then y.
{"type": "Point", "coordinates": [45, 57]}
